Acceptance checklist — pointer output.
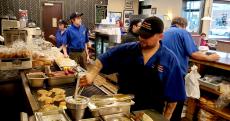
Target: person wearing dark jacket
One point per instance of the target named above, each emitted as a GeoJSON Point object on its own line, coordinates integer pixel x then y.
{"type": "Point", "coordinates": [132, 35]}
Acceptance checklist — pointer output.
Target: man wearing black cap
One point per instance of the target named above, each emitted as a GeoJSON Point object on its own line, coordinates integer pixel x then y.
{"type": "Point", "coordinates": [146, 69]}
{"type": "Point", "coordinates": [77, 39]}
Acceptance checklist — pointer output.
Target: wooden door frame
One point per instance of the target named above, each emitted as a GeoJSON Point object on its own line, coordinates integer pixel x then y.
{"type": "Point", "coordinates": [41, 9]}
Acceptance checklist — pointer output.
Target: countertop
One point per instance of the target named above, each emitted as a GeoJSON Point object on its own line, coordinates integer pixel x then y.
{"type": "Point", "coordinates": [222, 63]}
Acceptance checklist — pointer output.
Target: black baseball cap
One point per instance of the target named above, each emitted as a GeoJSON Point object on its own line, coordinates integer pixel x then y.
{"type": "Point", "coordinates": [75, 14]}
{"type": "Point", "coordinates": [151, 26]}
{"type": "Point", "coordinates": [61, 21]}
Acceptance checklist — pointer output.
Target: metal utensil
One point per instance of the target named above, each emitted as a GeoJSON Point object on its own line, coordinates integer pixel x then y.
{"type": "Point", "coordinates": [78, 89]}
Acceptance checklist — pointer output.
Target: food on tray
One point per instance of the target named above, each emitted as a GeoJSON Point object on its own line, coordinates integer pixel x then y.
{"type": "Point", "coordinates": [44, 92]}
{"type": "Point", "coordinates": [62, 105]}
{"type": "Point", "coordinates": [59, 98]}
{"type": "Point", "coordinates": [65, 62]}
{"type": "Point", "coordinates": [58, 91]}
{"type": "Point", "coordinates": [78, 100]}
{"type": "Point", "coordinates": [49, 107]}
{"type": "Point", "coordinates": [46, 100]}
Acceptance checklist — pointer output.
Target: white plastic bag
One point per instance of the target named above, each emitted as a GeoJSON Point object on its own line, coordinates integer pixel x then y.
{"type": "Point", "coordinates": [192, 84]}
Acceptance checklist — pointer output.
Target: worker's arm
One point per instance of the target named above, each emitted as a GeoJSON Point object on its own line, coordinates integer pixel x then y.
{"type": "Point", "coordinates": [92, 73]}
{"type": "Point", "coordinates": [200, 56]}
{"type": "Point", "coordinates": [169, 108]}
{"type": "Point", "coordinates": [64, 47]}
{"type": "Point", "coordinates": [52, 37]}
{"type": "Point", "coordinates": [87, 52]}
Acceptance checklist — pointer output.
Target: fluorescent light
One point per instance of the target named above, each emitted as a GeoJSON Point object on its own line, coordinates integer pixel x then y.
{"type": "Point", "coordinates": [206, 18]}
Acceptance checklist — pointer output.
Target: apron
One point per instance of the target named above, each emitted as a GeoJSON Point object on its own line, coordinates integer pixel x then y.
{"type": "Point", "coordinates": [145, 84]}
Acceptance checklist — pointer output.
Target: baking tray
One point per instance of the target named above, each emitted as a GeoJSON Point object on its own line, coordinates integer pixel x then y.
{"type": "Point", "coordinates": [55, 115]}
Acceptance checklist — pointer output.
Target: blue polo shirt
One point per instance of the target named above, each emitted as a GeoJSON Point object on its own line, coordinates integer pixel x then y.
{"type": "Point", "coordinates": [77, 37]}
{"type": "Point", "coordinates": [60, 38]}
{"type": "Point", "coordinates": [127, 60]}
{"type": "Point", "coordinates": [181, 43]}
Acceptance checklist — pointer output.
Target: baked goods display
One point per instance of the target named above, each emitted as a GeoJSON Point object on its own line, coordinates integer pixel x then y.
{"type": "Point", "coordinates": [6, 53]}
{"type": "Point", "coordinates": [52, 100]}
{"type": "Point", "coordinates": [17, 50]}
{"type": "Point", "coordinates": [207, 102]}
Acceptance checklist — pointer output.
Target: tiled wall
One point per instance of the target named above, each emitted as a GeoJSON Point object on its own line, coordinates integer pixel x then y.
{"type": "Point", "coordinates": [34, 13]}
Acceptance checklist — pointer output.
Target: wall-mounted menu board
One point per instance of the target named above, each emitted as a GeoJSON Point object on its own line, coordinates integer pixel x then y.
{"type": "Point", "coordinates": [100, 13]}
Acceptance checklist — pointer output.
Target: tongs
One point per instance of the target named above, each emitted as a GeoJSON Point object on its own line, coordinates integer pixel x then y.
{"type": "Point", "coordinates": [79, 89]}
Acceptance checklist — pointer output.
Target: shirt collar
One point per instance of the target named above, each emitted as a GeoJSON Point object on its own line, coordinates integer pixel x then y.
{"type": "Point", "coordinates": [174, 26]}
{"type": "Point", "coordinates": [75, 26]}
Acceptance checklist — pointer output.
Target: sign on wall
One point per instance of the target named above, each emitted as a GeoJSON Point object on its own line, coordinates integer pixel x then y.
{"type": "Point", "coordinates": [100, 13]}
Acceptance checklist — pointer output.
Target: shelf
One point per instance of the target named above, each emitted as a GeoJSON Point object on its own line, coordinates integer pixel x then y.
{"type": "Point", "coordinates": [225, 113]}
{"type": "Point", "coordinates": [210, 90]}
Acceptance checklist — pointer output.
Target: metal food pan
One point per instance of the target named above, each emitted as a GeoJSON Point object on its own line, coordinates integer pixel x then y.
{"type": "Point", "coordinates": [110, 109]}
{"type": "Point", "coordinates": [36, 79]}
{"type": "Point", "coordinates": [117, 117]}
{"type": "Point", "coordinates": [55, 115]}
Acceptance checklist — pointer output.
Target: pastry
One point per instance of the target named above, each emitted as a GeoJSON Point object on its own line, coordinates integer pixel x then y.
{"type": "Point", "coordinates": [59, 98]}
{"type": "Point", "coordinates": [62, 105]}
{"type": "Point", "coordinates": [58, 91]}
{"type": "Point", "coordinates": [45, 99]}
{"type": "Point", "coordinates": [203, 100]}
{"type": "Point", "coordinates": [44, 92]}
{"type": "Point", "coordinates": [49, 107]}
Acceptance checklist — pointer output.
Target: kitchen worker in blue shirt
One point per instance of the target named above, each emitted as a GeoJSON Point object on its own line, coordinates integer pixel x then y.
{"type": "Point", "coordinates": [60, 35]}
{"type": "Point", "coordinates": [77, 40]}
{"type": "Point", "coordinates": [147, 69]}
{"type": "Point", "coordinates": [180, 41]}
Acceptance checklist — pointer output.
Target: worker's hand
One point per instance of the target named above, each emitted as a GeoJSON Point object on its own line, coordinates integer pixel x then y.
{"type": "Point", "coordinates": [52, 37]}
{"type": "Point", "coordinates": [66, 55]}
{"type": "Point", "coordinates": [87, 59]}
{"type": "Point", "coordinates": [213, 57]}
{"type": "Point", "coordinates": [86, 80]}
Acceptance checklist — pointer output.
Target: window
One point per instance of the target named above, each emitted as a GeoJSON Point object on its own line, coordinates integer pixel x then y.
{"type": "Point", "coordinates": [192, 14]}
{"type": "Point", "coordinates": [220, 24]}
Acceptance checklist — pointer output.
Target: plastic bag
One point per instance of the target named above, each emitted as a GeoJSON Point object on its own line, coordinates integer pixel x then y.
{"type": "Point", "coordinates": [192, 84]}
{"type": "Point", "coordinates": [224, 98]}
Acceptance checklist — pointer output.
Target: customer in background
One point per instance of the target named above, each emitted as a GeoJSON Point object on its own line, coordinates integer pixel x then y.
{"type": "Point", "coordinates": [60, 35]}
{"type": "Point", "coordinates": [133, 32]}
{"type": "Point", "coordinates": [77, 40]}
{"type": "Point", "coordinates": [120, 24]}
{"type": "Point", "coordinates": [203, 41]}
{"type": "Point", "coordinates": [181, 43]}
{"type": "Point", "coordinates": [146, 69]}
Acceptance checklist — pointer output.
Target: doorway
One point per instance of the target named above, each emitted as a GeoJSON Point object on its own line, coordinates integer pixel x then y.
{"type": "Point", "coordinates": [51, 13]}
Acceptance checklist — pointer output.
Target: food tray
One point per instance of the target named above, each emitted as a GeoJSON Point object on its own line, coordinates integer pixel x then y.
{"type": "Point", "coordinates": [36, 79]}
{"type": "Point", "coordinates": [117, 117]}
{"type": "Point", "coordinates": [91, 119]}
{"type": "Point", "coordinates": [69, 88]}
{"type": "Point", "coordinates": [209, 84]}
{"type": "Point", "coordinates": [65, 62]}
{"type": "Point", "coordinates": [116, 107]}
{"type": "Point", "coordinates": [55, 115]}
{"type": "Point", "coordinates": [60, 78]}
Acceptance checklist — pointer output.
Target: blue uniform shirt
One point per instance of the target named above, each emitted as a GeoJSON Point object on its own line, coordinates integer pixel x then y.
{"type": "Point", "coordinates": [181, 43]}
{"type": "Point", "coordinates": [126, 60]}
{"type": "Point", "coordinates": [77, 37]}
{"type": "Point", "coordinates": [60, 38]}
